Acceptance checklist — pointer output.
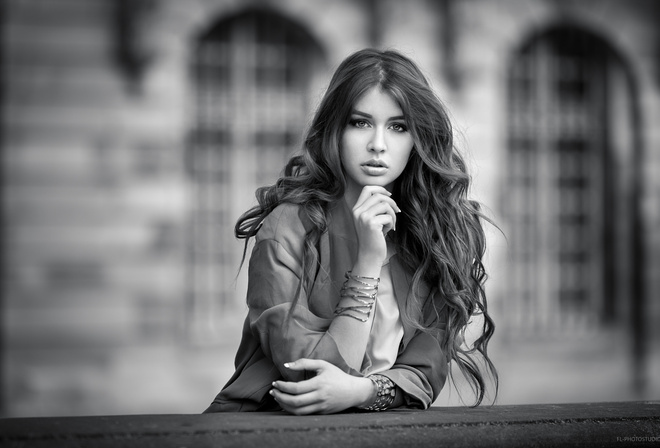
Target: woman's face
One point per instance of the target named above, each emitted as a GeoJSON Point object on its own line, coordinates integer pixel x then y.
{"type": "Point", "coordinates": [376, 143]}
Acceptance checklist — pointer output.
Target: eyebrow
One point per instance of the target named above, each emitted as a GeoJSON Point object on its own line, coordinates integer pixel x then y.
{"type": "Point", "coordinates": [366, 115]}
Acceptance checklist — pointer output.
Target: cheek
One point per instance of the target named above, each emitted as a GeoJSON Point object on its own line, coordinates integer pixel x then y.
{"type": "Point", "coordinates": [343, 156]}
{"type": "Point", "coordinates": [342, 149]}
{"type": "Point", "coordinates": [349, 146]}
{"type": "Point", "coordinates": [405, 153]}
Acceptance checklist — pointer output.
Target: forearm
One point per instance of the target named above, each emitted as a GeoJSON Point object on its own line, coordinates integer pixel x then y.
{"type": "Point", "coordinates": [351, 337]}
{"type": "Point", "coordinates": [420, 372]}
{"type": "Point", "coordinates": [351, 329]}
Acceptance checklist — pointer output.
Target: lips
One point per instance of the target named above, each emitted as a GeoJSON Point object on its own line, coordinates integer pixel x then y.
{"type": "Point", "coordinates": [374, 167]}
{"type": "Point", "coordinates": [375, 163]}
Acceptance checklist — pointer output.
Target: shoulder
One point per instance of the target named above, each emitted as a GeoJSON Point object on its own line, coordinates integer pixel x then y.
{"type": "Point", "coordinates": [285, 225]}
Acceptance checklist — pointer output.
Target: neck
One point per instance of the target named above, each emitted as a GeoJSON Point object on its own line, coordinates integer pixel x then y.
{"type": "Point", "coordinates": [350, 199]}
{"type": "Point", "coordinates": [351, 194]}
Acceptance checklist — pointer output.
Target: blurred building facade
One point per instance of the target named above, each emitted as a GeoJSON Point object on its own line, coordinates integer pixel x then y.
{"type": "Point", "coordinates": [134, 133]}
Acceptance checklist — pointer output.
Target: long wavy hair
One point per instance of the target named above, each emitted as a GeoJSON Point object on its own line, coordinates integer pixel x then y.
{"type": "Point", "coordinates": [439, 238]}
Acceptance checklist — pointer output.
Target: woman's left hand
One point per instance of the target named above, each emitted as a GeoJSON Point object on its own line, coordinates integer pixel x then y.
{"type": "Point", "coordinates": [330, 391]}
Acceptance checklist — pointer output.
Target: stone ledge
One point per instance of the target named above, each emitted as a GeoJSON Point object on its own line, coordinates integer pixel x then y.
{"type": "Point", "coordinates": [591, 424]}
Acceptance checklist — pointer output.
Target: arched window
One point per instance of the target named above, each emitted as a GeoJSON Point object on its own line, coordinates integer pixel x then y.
{"type": "Point", "coordinates": [253, 74]}
{"type": "Point", "coordinates": [570, 142]}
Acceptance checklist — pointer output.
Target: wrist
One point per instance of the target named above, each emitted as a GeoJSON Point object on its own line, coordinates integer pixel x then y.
{"type": "Point", "coordinates": [358, 295]}
{"type": "Point", "coordinates": [367, 267]}
{"type": "Point", "coordinates": [385, 396]}
{"type": "Point", "coordinates": [366, 392]}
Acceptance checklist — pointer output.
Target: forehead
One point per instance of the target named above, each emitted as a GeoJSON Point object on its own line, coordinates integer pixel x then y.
{"type": "Point", "coordinates": [377, 101]}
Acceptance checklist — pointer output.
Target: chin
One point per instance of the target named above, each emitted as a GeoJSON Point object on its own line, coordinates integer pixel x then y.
{"type": "Point", "coordinates": [376, 184]}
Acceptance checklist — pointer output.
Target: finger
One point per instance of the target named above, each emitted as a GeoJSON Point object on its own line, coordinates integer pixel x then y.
{"type": "Point", "coordinates": [306, 364]}
{"type": "Point", "coordinates": [376, 199]}
{"type": "Point", "coordinates": [377, 208]}
{"type": "Point", "coordinates": [386, 222]}
{"type": "Point", "coordinates": [299, 405]}
{"type": "Point", "coordinates": [293, 388]}
{"type": "Point", "coordinates": [369, 191]}
{"type": "Point", "coordinates": [377, 211]}
{"type": "Point", "coordinates": [305, 410]}
{"type": "Point", "coordinates": [295, 401]}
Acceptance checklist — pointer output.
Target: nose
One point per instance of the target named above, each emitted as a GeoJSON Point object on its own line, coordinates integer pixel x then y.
{"type": "Point", "coordinates": [377, 143]}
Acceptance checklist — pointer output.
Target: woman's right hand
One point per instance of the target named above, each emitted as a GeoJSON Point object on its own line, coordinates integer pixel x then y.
{"type": "Point", "coordinates": [374, 214]}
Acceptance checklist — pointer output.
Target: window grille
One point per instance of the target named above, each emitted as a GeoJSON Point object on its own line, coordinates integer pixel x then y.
{"type": "Point", "coordinates": [252, 83]}
{"type": "Point", "coordinates": [558, 194]}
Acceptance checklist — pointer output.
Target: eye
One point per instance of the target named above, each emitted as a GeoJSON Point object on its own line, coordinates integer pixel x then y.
{"type": "Point", "coordinates": [398, 127]}
{"type": "Point", "coordinates": [358, 123]}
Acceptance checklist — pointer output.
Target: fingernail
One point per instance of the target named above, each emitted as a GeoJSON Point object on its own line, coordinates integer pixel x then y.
{"type": "Point", "coordinates": [271, 392]}
{"type": "Point", "coordinates": [273, 384]}
{"type": "Point", "coordinates": [287, 365]}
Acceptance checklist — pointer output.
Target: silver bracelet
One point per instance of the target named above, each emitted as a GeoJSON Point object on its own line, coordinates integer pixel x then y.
{"type": "Point", "coordinates": [363, 294]}
{"type": "Point", "coordinates": [385, 393]}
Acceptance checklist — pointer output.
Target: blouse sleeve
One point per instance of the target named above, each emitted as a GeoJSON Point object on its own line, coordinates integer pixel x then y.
{"type": "Point", "coordinates": [286, 334]}
{"type": "Point", "coordinates": [420, 371]}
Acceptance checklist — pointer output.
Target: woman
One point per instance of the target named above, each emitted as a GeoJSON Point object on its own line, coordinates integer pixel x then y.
{"type": "Point", "coordinates": [367, 261]}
